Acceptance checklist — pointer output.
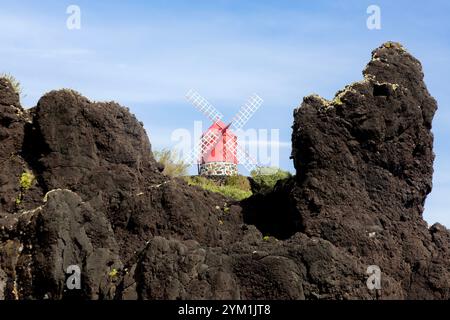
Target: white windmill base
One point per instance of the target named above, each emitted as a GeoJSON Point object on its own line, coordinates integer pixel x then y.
{"type": "Point", "coordinates": [217, 169]}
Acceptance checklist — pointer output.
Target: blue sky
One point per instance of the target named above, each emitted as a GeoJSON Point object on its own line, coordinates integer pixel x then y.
{"type": "Point", "coordinates": [147, 54]}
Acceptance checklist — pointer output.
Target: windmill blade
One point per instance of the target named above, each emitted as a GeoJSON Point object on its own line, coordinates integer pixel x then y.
{"type": "Point", "coordinates": [246, 112]}
{"type": "Point", "coordinates": [203, 105]}
{"type": "Point", "coordinates": [205, 145]}
{"type": "Point", "coordinates": [244, 158]}
{"type": "Point", "coordinates": [209, 141]}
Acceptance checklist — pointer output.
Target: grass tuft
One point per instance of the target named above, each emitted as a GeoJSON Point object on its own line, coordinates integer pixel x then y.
{"type": "Point", "coordinates": [14, 82]}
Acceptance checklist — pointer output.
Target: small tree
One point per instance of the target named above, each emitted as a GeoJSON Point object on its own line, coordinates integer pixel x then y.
{"type": "Point", "coordinates": [173, 165]}
{"type": "Point", "coordinates": [267, 177]}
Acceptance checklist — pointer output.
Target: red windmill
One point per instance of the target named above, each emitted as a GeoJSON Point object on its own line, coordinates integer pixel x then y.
{"type": "Point", "coordinates": [218, 152]}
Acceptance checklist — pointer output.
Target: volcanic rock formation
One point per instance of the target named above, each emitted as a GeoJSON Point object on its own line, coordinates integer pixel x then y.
{"type": "Point", "coordinates": [98, 200]}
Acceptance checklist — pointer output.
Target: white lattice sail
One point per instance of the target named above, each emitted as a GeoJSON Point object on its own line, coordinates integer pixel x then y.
{"type": "Point", "coordinates": [243, 157]}
{"type": "Point", "coordinates": [203, 105]}
{"type": "Point", "coordinates": [246, 112]}
{"type": "Point", "coordinates": [205, 145]}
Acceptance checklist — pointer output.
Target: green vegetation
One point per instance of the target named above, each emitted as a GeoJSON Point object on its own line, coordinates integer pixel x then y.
{"type": "Point", "coordinates": [234, 187]}
{"type": "Point", "coordinates": [173, 165]}
{"type": "Point", "coordinates": [396, 45]}
{"type": "Point", "coordinates": [14, 83]}
{"type": "Point", "coordinates": [238, 187]}
{"type": "Point", "coordinates": [72, 91]}
{"type": "Point", "coordinates": [113, 273]}
{"type": "Point", "coordinates": [338, 101]}
{"type": "Point", "coordinates": [238, 182]}
{"type": "Point", "coordinates": [26, 181]}
{"type": "Point", "coordinates": [266, 238]}
{"type": "Point", "coordinates": [267, 177]}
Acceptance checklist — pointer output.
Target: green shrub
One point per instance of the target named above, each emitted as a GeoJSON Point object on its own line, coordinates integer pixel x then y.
{"type": "Point", "coordinates": [26, 180]}
{"type": "Point", "coordinates": [267, 177]}
{"type": "Point", "coordinates": [231, 191]}
{"type": "Point", "coordinates": [240, 182]}
{"type": "Point", "coordinates": [173, 165]}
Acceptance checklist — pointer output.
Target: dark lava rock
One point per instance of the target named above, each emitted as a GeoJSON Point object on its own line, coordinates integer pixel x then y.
{"type": "Point", "coordinates": [101, 153]}
{"type": "Point", "coordinates": [63, 232]}
{"type": "Point", "coordinates": [99, 200]}
{"type": "Point", "coordinates": [365, 164]}
{"type": "Point", "coordinates": [364, 168]}
{"type": "Point", "coordinates": [12, 123]}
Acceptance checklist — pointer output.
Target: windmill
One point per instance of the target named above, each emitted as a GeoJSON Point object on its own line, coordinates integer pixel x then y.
{"type": "Point", "coordinates": [218, 151]}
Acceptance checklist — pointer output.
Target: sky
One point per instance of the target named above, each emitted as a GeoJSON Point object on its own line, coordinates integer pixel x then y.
{"type": "Point", "coordinates": [147, 54]}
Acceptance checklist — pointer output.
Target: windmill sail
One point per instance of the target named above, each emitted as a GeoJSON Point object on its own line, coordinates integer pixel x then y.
{"type": "Point", "coordinates": [211, 138]}
{"type": "Point", "coordinates": [246, 112]}
{"type": "Point", "coordinates": [203, 106]}
{"type": "Point", "coordinates": [244, 158]}
{"type": "Point", "coordinates": [205, 145]}
{"type": "Point", "coordinates": [241, 118]}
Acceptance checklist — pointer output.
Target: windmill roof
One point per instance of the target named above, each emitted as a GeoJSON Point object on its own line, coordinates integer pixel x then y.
{"type": "Point", "coordinates": [220, 125]}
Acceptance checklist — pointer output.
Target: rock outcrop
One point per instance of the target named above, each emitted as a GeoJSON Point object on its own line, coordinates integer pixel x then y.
{"type": "Point", "coordinates": [99, 201]}
{"type": "Point", "coordinates": [365, 165]}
